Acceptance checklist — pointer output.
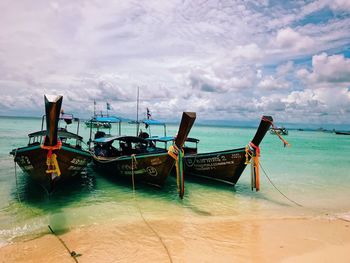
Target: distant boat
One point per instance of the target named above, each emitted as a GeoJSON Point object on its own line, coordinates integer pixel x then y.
{"type": "Point", "coordinates": [282, 130]}
{"type": "Point", "coordinates": [342, 132]}
{"type": "Point", "coordinates": [55, 153]}
{"type": "Point", "coordinates": [101, 123]}
{"type": "Point", "coordinates": [98, 123]}
{"type": "Point", "coordinates": [325, 130]}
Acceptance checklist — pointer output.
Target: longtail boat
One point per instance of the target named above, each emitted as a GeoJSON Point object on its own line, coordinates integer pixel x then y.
{"type": "Point", "coordinates": [224, 166]}
{"type": "Point", "coordinates": [281, 130]}
{"type": "Point", "coordinates": [227, 166]}
{"type": "Point", "coordinates": [98, 121]}
{"type": "Point", "coordinates": [53, 154]}
{"type": "Point", "coordinates": [342, 132]}
{"type": "Point", "coordinates": [139, 159]}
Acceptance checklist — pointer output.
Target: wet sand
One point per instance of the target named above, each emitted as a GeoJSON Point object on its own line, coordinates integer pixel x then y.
{"type": "Point", "coordinates": [202, 239]}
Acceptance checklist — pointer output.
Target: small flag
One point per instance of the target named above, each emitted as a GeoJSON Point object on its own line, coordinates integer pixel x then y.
{"type": "Point", "coordinates": [148, 114]}
{"type": "Point", "coordinates": [108, 106]}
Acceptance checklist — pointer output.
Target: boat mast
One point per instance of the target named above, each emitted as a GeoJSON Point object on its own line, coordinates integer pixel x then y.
{"type": "Point", "coordinates": [108, 108]}
{"type": "Point", "coordinates": [94, 108]}
{"type": "Point", "coordinates": [137, 111]}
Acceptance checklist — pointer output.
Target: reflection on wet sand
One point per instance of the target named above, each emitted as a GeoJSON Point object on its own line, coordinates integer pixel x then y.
{"type": "Point", "coordinates": [193, 239]}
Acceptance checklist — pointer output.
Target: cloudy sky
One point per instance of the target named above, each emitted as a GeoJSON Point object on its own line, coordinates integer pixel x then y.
{"type": "Point", "coordinates": [226, 60]}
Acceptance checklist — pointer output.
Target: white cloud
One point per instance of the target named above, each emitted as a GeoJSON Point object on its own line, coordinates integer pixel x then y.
{"type": "Point", "coordinates": [322, 101]}
{"type": "Point", "coordinates": [250, 51]}
{"type": "Point", "coordinates": [284, 69]}
{"type": "Point", "coordinates": [342, 5]}
{"type": "Point", "coordinates": [209, 81]}
{"type": "Point", "coordinates": [331, 69]}
{"type": "Point", "coordinates": [334, 68]}
{"type": "Point", "coordinates": [288, 38]}
{"type": "Point", "coordinates": [224, 59]}
{"type": "Point", "coordinates": [271, 83]}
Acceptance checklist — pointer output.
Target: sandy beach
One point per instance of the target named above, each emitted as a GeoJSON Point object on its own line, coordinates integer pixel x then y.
{"type": "Point", "coordinates": [193, 240]}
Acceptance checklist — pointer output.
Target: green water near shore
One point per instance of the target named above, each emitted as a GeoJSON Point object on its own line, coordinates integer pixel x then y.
{"type": "Point", "coordinates": [314, 172]}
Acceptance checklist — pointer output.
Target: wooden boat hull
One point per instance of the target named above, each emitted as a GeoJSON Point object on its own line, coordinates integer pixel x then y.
{"type": "Point", "coordinates": [342, 133]}
{"type": "Point", "coordinates": [224, 166]}
{"type": "Point", "coordinates": [151, 169]}
{"type": "Point", "coordinates": [32, 160]}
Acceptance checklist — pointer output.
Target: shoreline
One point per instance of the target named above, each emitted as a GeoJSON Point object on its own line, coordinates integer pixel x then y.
{"type": "Point", "coordinates": [194, 239]}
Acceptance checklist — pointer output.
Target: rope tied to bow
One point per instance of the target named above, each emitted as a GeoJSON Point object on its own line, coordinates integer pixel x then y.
{"type": "Point", "coordinates": [133, 167]}
{"type": "Point", "coordinates": [285, 143]}
{"type": "Point", "coordinates": [177, 154]}
{"type": "Point", "coordinates": [51, 158]}
{"type": "Point", "coordinates": [252, 155]}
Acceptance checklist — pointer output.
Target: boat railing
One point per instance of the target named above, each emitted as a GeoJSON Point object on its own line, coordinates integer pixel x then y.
{"type": "Point", "coordinates": [192, 147]}
{"type": "Point", "coordinates": [37, 138]}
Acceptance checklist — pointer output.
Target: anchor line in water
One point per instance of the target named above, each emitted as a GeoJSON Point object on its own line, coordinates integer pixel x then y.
{"type": "Point", "coordinates": [323, 210]}
{"type": "Point", "coordinates": [17, 190]}
{"type": "Point", "coordinates": [277, 188]}
{"type": "Point", "coordinates": [73, 254]}
{"type": "Point", "coordinates": [133, 163]}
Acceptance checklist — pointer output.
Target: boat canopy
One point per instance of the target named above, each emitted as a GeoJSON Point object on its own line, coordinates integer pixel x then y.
{"type": "Point", "coordinates": [120, 138]}
{"type": "Point", "coordinates": [106, 139]}
{"type": "Point", "coordinates": [110, 119]}
{"type": "Point", "coordinates": [160, 139]}
{"type": "Point", "coordinates": [169, 139]}
{"type": "Point", "coordinates": [148, 122]}
{"type": "Point", "coordinates": [60, 133]}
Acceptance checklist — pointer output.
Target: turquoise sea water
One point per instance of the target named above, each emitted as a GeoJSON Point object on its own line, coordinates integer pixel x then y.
{"type": "Point", "coordinates": [314, 172]}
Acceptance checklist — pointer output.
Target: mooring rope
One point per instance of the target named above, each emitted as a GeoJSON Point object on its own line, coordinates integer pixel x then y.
{"type": "Point", "coordinates": [278, 189]}
{"type": "Point", "coordinates": [296, 203]}
{"type": "Point", "coordinates": [133, 163]}
{"type": "Point", "coordinates": [73, 254]}
{"type": "Point", "coordinates": [17, 188]}
{"type": "Point", "coordinates": [285, 143]}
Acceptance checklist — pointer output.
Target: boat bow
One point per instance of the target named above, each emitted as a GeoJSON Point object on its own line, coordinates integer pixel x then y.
{"type": "Point", "coordinates": [176, 151]}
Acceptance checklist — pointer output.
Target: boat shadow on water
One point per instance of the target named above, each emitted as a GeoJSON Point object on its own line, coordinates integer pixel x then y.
{"type": "Point", "coordinates": [33, 201]}
{"type": "Point", "coordinates": [168, 193]}
{"type": "Point", "coordinates": [30, 193]}
{"type": "Point", "coordinates": [242, 189]}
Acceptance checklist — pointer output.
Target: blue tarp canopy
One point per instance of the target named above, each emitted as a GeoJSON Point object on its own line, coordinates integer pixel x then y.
{"type": "Point", "coordinates": [111, 119]}
{"type": "Point", "coordinates": [169, 139]}
{"type": "Point", "coordinates": [148, 122]}
{"type": "Point", "coordinates": [161, 139]}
